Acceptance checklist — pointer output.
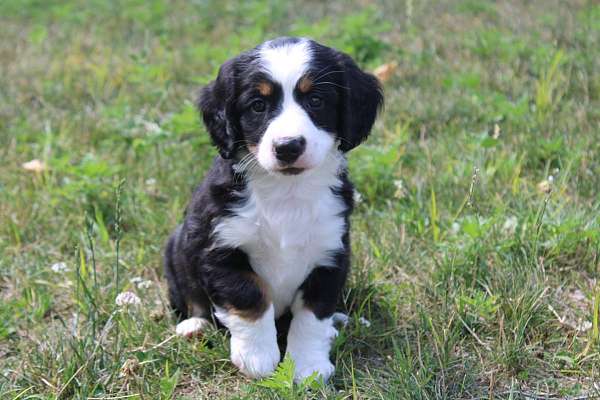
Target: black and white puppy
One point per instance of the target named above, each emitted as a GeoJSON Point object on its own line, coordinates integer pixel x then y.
{"type": "Point", "coordinates": [267, 230]}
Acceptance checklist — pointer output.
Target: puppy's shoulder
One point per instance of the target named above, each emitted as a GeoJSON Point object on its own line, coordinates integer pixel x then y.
{"type": "Point", "coordinates": [212, 199]}
{"type": "Point", "coordinates": [219, 188]}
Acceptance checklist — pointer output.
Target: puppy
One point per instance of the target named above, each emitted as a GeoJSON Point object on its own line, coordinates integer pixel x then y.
{"type": "Point", "coordinates": [267, 232]}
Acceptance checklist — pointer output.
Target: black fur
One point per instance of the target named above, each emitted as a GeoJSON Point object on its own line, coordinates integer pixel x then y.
{"type": "Point", "coordinates": [215, 103]}
{"type": "Point", "coordinates": [364, 98]}
{"type": "Point", "coordinates": [360, 94]}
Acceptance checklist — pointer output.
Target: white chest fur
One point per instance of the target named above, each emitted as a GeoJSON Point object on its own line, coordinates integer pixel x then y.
{"type": "Point", "coordinates": [287, 226]}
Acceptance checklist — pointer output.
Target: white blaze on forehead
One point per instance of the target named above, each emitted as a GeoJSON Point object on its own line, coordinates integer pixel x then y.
{"type": "Point", "coordinates": [286, 63]}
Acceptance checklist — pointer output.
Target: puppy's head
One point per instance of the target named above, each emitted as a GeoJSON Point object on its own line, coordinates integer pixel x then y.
{"type": "Point", "coordinates": [290, 102]}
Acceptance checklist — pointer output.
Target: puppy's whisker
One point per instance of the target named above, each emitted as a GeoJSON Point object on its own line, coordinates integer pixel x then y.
{"type": "Point", "coordinates": [242, 141]}
{"type": "Point", "coordinates": [328, 73]}
{"type": "Point", "coordinates": [243, 166]}
{"type": "Point", "coordinates": [250, 165]}
{"type": "Point", "coordinates": [344, 140]}
{"type": "Point", "coordinates": [246, 158]}
{"type": "Point", "coordinates": [331, 83]}
{"type": "Point", "coordinates": [322, 70]}
{"type": "Point", "coordinates": [240, 164]}
{"type": "Point", "coordinates": [246, 165]}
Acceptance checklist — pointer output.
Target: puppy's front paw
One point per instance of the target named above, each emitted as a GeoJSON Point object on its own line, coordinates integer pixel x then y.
{"type": "Point", "coordinates": [191, 327]}
{"type": "Point", "coordinates": [309, 343]}
{"type": "Point", "coordinates": [305, 368]}
{"type": "Point", "coordinates": [255, 360]}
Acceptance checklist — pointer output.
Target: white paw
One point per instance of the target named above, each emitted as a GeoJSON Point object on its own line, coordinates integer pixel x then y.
{"type": "Point", "coordinates": [340, 319]}
{"type": "Point", "coordinates": [255, 360]}
{"type": "Point", "coordinates": [191, 326]}
{"type": "Point", "coordinates": [305, 368]}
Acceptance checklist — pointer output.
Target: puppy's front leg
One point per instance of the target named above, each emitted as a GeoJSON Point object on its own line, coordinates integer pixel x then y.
{"type": "Point", "coordinates": [311, 331]}
{"type": "Point", "coordinates": [243, 306]}
{"type": "Point", "coordinates": [253, 341]}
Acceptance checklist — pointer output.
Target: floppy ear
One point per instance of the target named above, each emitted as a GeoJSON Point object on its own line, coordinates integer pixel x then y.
{"type": "Point", "coordinates": [214, 103]}
{"type": "Point", "coordinates": [362, 99]}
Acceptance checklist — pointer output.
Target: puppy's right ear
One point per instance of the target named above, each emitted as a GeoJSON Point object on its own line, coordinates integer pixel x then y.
{"type": "Point", "coordinates": [214, 102]}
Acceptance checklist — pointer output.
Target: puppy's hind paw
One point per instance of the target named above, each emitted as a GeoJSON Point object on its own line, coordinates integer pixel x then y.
{"type": "Point", "coordinates": [191, 327]}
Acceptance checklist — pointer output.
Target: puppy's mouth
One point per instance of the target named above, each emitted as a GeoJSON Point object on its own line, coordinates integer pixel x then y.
{"type": "Point", "coordinates": [291, 170]}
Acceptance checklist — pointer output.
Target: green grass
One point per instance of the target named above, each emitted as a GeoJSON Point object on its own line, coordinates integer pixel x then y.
{"type": "Point", "coordinates": [474, 267]}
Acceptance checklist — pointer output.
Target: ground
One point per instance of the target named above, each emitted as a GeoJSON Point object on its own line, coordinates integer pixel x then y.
{"type": "Point", "coordinates": [476, 239]}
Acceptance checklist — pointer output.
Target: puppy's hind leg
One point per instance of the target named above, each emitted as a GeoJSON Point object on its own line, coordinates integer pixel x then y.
{"type": "Point", "coordinates": [190, 303]}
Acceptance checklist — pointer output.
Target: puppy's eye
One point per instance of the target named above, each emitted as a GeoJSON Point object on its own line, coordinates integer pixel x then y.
{"type": "Point", "coordinates": [315, 101]}
{"type": "Point", "coordinates": [258, 106]}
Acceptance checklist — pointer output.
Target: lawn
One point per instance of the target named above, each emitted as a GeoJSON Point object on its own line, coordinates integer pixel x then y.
{"type": "Point", "coordinates": [476, 239]}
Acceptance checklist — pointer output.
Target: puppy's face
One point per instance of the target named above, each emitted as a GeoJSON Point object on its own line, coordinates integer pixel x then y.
{"type": "Point", "coordinates": [289, 103]}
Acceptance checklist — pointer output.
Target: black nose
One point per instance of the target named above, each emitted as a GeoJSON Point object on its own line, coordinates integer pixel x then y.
{"type": "Point", "coordinates": [288, 149]}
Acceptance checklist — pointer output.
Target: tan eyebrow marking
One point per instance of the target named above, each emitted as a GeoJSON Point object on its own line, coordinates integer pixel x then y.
{"type": "Point", "coordinates": [265, 88]}
{"type": "Point", "coordinates": [305, 84]}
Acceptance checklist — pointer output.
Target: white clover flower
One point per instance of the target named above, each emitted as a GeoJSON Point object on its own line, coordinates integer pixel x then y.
{"type": "Point", "coordinates": [152, 127]}
{"type": "Point", "coordinates": [339, 318]}
{"type": "Point", "coordinates": [400, 189]}
{"type": "Point", "coordinates": [127, 298]}
{"type": "Point", "coordinates": [357, 196]}
{"type": "Point", "coordinates": [141, 283]}
{"type": "Point", "coordinates": [455, 228]}
{"type": "Point", "coordinates": [364, 322]}
{"type": "Point", "coordinates": [584, 326]}
{"type": "Point", "coordinates": [144, 284]}
{"type": "Point", "coordinates": [150, 182]}
{"type": "Point", "coordinates": [496, 133]}
{"type": "Point", "coordinates": [59, 267]}
{"type": "Point", "coordinates": [510, 225]}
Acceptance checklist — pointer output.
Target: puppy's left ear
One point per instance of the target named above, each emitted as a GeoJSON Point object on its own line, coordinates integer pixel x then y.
{"type": "Point", "coordinates": [362, 99]}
